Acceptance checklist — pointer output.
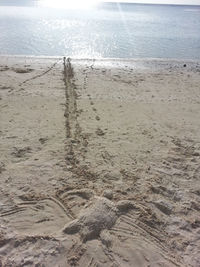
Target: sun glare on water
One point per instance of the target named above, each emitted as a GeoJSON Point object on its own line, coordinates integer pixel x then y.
{"type": "Point", "coordinates": [70, 4]}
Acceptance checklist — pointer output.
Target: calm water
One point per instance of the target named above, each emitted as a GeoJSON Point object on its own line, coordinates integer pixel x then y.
{"type": "Point", "coordinates": [109, 31]}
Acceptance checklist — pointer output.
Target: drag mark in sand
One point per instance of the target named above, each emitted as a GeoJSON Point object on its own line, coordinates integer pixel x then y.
{"type": "Point", "coordinates": [40, 75]}
{"type": "Point", "coordinates": [71, 123]}
{"type": "Point", "coordinates": [76, 140]}
{"type": "Point", "coordinates": [70, 94]}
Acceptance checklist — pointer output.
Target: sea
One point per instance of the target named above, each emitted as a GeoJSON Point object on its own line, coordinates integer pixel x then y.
{"type": "Point", "coordinates": [107, 30]}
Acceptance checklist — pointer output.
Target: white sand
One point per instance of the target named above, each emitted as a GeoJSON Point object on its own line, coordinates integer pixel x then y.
{"type": "Point", "coordinates": [100, 162]}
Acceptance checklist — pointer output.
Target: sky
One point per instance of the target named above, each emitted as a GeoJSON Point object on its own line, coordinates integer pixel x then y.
{"type": "Point", "coordinates": [176, 2]}
{"type": "Point", "coordinates": [89, 3]}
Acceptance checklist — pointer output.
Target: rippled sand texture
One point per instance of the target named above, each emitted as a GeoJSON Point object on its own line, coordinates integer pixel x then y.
{"type": "Point", "coordinates": [99, 162]}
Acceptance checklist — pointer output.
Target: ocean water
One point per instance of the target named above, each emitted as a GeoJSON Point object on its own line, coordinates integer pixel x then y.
{"type": "Point", "coordinates": [105, 31]}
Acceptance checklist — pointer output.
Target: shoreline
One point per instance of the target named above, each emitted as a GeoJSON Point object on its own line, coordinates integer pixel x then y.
{"type": "Point", "coordinates": [99, 162]}
{"type": "Point", "coordinates": [135, 63]}
{"type": "Point", "coordinates": [103, 59]}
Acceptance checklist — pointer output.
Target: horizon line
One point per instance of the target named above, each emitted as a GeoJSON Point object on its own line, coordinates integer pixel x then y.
{"type": "Point", "coordinates": [128, 2]}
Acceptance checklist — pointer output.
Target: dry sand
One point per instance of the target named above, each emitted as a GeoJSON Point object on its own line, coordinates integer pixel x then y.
{"type": "Point", "coordinates": [100, 162]}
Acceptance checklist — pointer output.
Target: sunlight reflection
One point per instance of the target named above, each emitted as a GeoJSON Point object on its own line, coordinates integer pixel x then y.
{"type": "Point", "coordinates": [69, 4]}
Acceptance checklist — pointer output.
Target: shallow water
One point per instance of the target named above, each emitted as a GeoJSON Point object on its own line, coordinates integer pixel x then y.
{"type": "Point", "coordinates": [106, 31]}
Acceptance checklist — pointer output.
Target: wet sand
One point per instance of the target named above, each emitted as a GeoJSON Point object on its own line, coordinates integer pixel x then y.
{"type": "Point", "coordinates": [99, 162]}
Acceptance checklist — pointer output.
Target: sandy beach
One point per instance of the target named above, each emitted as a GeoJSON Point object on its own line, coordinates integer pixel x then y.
{"type": "Point", "coordinates": [99, 163]}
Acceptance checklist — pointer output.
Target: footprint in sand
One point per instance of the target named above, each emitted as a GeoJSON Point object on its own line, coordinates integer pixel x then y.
{"type": "Point", "coordinates": [4, 87]}
{"type": "Point", "coordinates": [21, 152]}
{"type": "Point", "coordinates": [100, 132]}
{"type": "Point", "coordinates": [2, 167]}
{"type": "Point", "coordinates": [4, 68]}
{"type": "Point", "coordinates": [43, 140]}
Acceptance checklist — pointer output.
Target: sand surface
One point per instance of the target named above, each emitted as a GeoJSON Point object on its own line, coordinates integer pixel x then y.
{"type": "Point", "coordinates": [99, 163]}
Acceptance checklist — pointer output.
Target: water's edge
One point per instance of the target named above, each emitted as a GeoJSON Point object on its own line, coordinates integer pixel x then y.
{"type": "Point", "coordinates": [104, 59]}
